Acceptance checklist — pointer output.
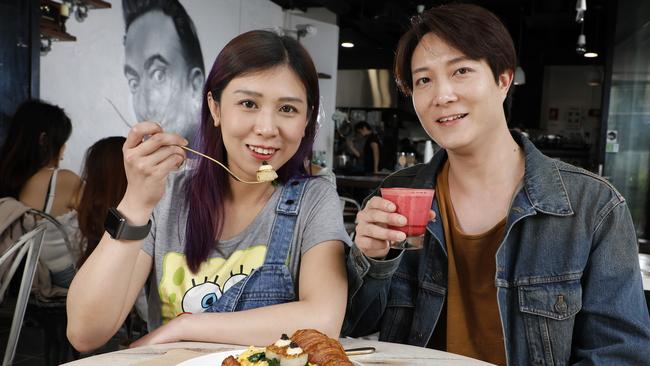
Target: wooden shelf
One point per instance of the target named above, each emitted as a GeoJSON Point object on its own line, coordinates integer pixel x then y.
{"type": "Point", "coordinates": [50, 30]}
{"type": "Point", "coordinates": [97, 4]}
{"type": "Point", "coordinates": [57, 35]}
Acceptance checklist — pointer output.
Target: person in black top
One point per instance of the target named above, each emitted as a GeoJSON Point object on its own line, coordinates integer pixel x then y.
{"type": "Point", "coordinates": [370, 155]}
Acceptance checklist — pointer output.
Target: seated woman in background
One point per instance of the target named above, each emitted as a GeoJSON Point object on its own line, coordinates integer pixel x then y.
{"type": "Point", "coordinates": [104, 186]}
{"type": "Point", "coordinates": [228, 262]}
{"type": "Point", "coordinates": [104, 182]}
{"type": "Point", "coordinates": [30, 173]}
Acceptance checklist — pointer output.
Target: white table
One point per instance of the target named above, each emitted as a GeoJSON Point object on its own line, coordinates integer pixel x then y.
{"type": "Point", "coordinates": [387, 354]}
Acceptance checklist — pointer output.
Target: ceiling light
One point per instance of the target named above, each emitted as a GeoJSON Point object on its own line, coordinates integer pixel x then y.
{"type": "Point", "coordinates": [347, 44]}
{"type": "Point", "coordinates": [591, 54]}
{"type": "Point", "coordinates": [520, 76]}
{"type": "Point", "coordinates": [581, 46]}
{"type": "Point", "coordinates": [581, 8]}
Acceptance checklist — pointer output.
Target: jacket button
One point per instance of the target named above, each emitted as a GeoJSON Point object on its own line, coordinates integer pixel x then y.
{"type": "Point", "coordinates": [289, 202]}
{"type": "Point", "coordinates": [294, 183]}
{"type": "Point", "coordinates": [560, 305]}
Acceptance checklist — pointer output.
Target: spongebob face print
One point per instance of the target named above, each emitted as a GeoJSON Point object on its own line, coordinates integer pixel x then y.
{"type": "Point", "coordinates": [200, 297]}
{"type": "Point", "coordinates": [234, 278]}
{"type": "Point", "coordinates": [181, 290]}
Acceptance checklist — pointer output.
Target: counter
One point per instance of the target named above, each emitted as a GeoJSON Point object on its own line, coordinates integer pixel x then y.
{"type": "Point", "coordinates": [359, 181]}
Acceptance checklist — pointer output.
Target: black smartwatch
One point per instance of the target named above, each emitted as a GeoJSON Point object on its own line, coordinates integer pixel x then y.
{"type": "Point", "coordinates": [119, 229]}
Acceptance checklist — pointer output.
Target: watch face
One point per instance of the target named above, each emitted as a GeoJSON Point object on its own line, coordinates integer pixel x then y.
{"type": "Point", "coordinates": [119, 229]}
{"type": "Point", "coordinates": [113, 223]}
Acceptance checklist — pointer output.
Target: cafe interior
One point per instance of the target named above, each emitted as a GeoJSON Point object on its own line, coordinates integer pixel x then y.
{"type": "Point", "coordinates": [581, 95]}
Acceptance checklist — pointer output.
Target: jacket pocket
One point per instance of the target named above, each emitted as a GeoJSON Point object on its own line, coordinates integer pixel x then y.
{"type": "Point", "coordinates": [549, 310]}
{"type": "Point", "coordinates": [398, 317]}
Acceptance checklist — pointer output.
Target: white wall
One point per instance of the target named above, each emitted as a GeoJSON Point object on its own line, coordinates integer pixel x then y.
{"type": "Point", "coordinates": [82, 76]}
{"type": "Point", "coordinates": [323, 47]}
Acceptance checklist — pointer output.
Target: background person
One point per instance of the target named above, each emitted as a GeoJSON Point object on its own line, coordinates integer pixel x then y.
{"type": "Point", "coordinates": [369, 156]}
{"type": "Point", "coordinates": [104, 186]}
{"type": "Point", "coordinates": [30, 173]}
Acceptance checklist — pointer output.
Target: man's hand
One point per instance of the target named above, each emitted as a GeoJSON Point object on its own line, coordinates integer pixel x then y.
{"type": "Point", "coordinates": [372, 235]}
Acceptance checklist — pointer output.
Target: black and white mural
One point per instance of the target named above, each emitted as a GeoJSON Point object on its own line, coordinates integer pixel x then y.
{"type": "Point", "coordinates": [163, 64]}
{"type": "Point", "coordinates": [148, 59]}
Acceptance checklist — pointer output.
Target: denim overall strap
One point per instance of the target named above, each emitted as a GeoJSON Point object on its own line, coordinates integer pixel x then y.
{"type": "Point", "coordinates": [285, 221]}
{"type": "Point", "coordinates": [270, 283]}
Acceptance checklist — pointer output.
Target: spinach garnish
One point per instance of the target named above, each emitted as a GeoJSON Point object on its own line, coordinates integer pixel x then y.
{"type": "Point", "coordinates": [261, 356]}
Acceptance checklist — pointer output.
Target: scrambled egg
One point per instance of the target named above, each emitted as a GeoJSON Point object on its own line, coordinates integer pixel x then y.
{"type": "Point", "coordinates": [243, 357]}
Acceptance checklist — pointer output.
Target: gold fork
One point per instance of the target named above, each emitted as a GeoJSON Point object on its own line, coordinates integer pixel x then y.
{"type": "Point", "coordinates": [194, 151]}
{"type": "Point", "coordinates": [222, 165]}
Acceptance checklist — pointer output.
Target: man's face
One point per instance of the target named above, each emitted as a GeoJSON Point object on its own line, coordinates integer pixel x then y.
{"type": "Point", "coordinates": [159, 78]}
{"type": "Point", "coordinates": [457, 100]}
{"type": "Point", "coordinates": [363, 131]}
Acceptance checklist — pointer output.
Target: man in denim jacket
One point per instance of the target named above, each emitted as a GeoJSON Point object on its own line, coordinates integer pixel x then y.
{"type": "Point", "coordinates": [527, 260]}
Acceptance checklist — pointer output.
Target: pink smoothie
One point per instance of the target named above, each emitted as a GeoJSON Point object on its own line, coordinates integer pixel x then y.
{"type": "Point", "coordinates": [412, 203]}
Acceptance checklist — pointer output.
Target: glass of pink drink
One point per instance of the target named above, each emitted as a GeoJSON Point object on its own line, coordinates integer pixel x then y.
{"type": "Point", "coordinates": [414, 204]}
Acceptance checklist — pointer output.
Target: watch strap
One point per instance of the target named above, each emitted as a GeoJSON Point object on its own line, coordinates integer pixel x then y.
{"type": "Point", "coordinates": [119, 228]}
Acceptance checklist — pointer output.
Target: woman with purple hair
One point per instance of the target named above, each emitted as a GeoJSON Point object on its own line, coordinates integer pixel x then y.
{"type": "Point", "coordinates": [223, 261]}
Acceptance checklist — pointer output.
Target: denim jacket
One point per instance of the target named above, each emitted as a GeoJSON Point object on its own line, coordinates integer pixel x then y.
{"type": "Point", "coordinates": [568, 282]}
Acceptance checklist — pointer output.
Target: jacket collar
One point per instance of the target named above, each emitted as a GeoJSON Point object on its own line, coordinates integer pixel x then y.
{"type": "Point", "coordinates": [543, 184]}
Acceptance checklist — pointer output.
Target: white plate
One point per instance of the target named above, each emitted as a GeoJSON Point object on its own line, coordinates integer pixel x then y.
{"type": "Point", "coordinates": [215, 359]}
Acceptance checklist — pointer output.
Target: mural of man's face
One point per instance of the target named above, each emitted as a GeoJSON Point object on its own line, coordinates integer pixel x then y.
{"type": "Point", "coordinates": [164, 89]}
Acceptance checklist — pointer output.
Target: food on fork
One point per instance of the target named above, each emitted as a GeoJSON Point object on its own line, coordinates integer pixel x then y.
{"type": "Point", "coordinates": [266, 173]}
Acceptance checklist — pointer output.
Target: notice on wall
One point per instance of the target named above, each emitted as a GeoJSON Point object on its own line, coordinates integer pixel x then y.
{"type": "Point", "coordinates": [611, 145]}
{"type": "Point", "coordinates": [574, 119]}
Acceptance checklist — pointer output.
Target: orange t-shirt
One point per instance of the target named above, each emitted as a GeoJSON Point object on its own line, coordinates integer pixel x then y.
{"type": "Point", "coordinates": [473, 321]}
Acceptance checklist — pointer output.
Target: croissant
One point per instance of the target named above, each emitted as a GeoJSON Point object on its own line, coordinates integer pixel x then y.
{"type": "Point", "coordinates": [322, 350]}
{"type": "Point", "coordinates": [230, 361]}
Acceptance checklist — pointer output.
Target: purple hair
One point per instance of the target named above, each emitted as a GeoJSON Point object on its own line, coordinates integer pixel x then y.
{"type": "Point", "coordinates": [247, 53]}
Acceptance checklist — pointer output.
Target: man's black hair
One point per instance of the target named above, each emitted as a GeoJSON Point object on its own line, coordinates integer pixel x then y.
{"type": "Point", "coordinates": [361, 125]}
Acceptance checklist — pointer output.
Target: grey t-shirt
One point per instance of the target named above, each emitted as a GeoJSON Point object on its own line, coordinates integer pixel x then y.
{"type": "Point", "coordinates": [174, 289]}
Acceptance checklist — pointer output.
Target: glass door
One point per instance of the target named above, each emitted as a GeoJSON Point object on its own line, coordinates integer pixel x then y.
{"type": "Point", "coordinates": [627, 156]}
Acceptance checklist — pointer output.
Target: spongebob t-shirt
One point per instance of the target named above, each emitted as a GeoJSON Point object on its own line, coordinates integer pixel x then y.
{"type": "Point", "coordinates": [174, 289]}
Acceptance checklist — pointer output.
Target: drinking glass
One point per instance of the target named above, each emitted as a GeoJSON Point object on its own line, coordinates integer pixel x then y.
{"type": "Point", "coordinates": [414, 204]}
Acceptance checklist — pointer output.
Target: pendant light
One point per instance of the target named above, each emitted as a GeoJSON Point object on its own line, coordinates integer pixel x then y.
{"type": "Point", "coordinates": [520, 74]}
